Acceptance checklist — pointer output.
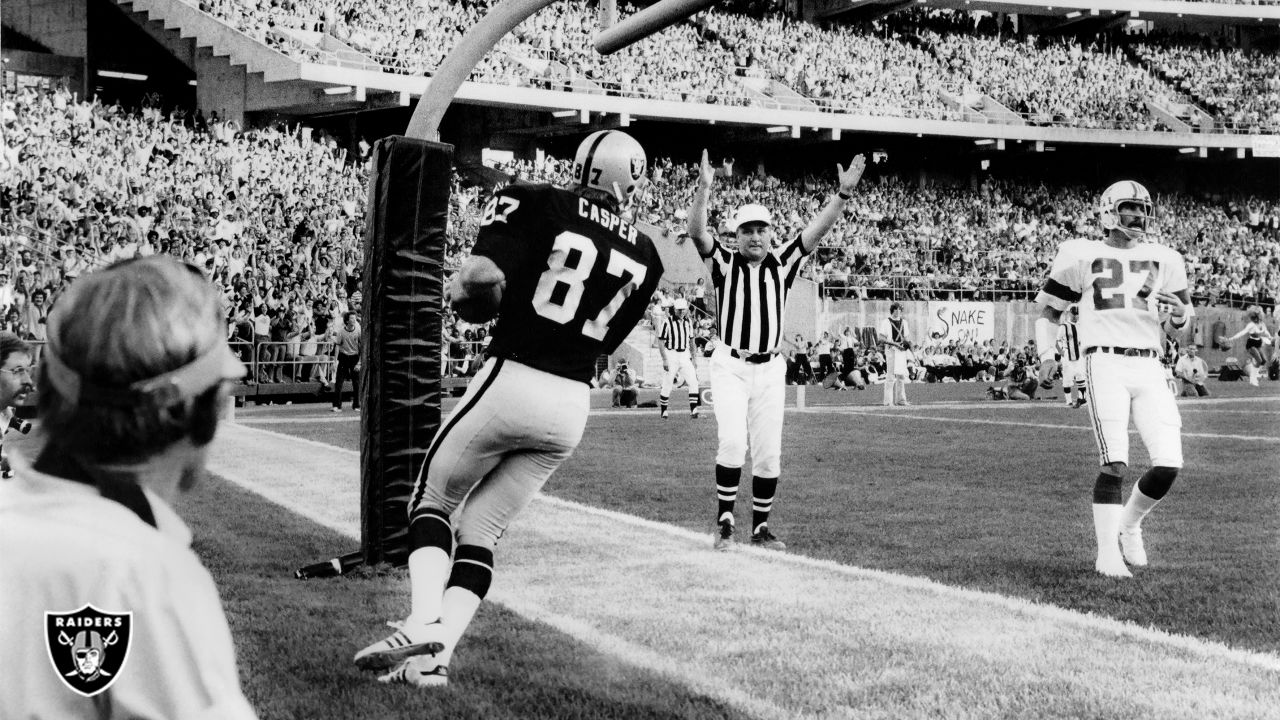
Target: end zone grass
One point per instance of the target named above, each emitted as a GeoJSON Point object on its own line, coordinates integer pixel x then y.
{"type": "Point", "coordinates": [1002, 508]}
{"type": "Point", "coordinates": [295, 639]}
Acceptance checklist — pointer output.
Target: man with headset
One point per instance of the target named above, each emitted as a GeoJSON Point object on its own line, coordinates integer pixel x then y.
{"type": "Point", "coordinates": [133, 379]}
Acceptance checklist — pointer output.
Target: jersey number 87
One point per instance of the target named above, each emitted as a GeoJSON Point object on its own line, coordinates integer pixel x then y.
{"type": "Point", "coordinates": [560, 289]}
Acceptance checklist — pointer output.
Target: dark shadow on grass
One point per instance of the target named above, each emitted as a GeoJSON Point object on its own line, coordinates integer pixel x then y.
{"type": "Point", "coordinates": [295, 638]}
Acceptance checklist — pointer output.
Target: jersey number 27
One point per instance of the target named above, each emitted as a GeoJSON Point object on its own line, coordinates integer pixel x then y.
{"type": "Point", "coordinates": [1110, 281]}
{"type": "Point", "coordinates": [560, 289]}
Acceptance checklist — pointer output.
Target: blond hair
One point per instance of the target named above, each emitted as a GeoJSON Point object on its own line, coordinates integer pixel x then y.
{"type": "Point", "coordinates": [133, 321]}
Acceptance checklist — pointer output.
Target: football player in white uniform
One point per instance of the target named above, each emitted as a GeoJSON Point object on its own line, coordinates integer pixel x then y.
{"type": "Point", "coordinates": [1131, 293]}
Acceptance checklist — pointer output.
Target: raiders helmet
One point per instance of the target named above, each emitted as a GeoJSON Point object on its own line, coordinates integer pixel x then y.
{"type": "Point", "coordinates": [1125, 191]}
{"type": "Point", "coordinates": [610, 161]}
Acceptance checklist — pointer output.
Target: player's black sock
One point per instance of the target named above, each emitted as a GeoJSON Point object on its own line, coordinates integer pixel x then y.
{"type": "Point", "coordinates": [1106, 490]}
{"type": "Point", "coordinates": [762, 490]}
{"type": "Point", "coordinates": [472, 569]}
{"type": "Point", "coordinates": [430, 527]}
{"type": "Point", "coordinates": [695, 400]}
{"type": "Point", "coordinates": [727, 479]}
{"type": "Point", "coordinates": [662, 402]}
{"type": "Point", "coordinates": [1155, 483]}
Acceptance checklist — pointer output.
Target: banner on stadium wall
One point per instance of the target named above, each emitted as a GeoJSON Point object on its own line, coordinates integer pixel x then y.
{"type": "Point", "coordinates": [961, 322]}
{"type": "Point", "coordinates": [1266, 146]}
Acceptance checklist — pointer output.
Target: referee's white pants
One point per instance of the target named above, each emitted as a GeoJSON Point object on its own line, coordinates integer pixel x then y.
{"type": "Point", "coordinates": [679, 363]}
{"type": "Point", "coordinates": [514, 426]}
{"type": "Point", "coordinates": [1118, 386]}
{"type": "Point", "coordinates": [749, 402]}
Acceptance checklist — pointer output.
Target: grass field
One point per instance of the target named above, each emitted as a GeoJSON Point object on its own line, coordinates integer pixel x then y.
{"type": "Point", "coordinates": [987, 497]}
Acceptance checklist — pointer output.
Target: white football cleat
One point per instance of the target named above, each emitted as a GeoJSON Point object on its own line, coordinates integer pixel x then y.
{"type": "Point", "coordinates": [418, 671]}
{"type": "Point", "coordinates": [1135, 552]}
{"type": "Point", "coordinates": [1112, 566]}
{"type": "Point", "coordinates": [406, 642]}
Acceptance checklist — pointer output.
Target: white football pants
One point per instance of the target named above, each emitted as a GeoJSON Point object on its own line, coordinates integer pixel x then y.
{"type": "Point", "coordinates": [749, 400]}
{"type": "Point", "coordinates": [1118, 386]}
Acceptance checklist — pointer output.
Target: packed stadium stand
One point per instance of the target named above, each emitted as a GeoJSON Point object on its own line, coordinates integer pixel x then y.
{"type": "Point", "coordinates": [271, 202]}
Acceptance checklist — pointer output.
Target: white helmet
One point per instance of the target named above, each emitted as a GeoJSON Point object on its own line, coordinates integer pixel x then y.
{"type": "Point", "coordinates": [1125, 191]}
{"type": "Point", "coordinates": [611, 161]}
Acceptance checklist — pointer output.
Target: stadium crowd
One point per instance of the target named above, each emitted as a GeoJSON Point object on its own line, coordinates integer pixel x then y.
{"type": "Point", "coordinates": [1241, 88]}
{"type": "Point", "coordinates": [274, 216]}
{"type": "Point", "coordinates": [921, 63]}
{"type": "Point", "coordinates": [271, 215]}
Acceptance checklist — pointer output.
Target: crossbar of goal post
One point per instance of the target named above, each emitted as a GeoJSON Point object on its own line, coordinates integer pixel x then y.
{"type": "Point", "coordinates": [404, 283]}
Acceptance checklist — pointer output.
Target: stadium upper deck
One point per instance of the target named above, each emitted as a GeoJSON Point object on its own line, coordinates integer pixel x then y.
{"type": "Point", "coordinates": [811, 75]}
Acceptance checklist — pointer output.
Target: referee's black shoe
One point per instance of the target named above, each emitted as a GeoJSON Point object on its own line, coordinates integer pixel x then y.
{"type": "Point", "coordinates": [724, 539]}
{"type": "Point", "coordinates": [767, 540]}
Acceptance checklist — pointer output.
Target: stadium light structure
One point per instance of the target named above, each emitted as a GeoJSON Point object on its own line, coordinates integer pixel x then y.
{"type": "Point", "coordinates": [564, 113]}
{"type": "Point", "coordinates": [337, 90]}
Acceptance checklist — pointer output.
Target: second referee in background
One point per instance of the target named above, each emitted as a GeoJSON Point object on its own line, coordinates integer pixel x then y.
{"type": "Point", "coordinates": [675, 341]}
{"type": "Point", "coordinates": [748, 376]}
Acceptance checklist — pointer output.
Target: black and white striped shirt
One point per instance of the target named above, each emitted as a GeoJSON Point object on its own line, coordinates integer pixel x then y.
{"type": "Point", "coordinates": [677, 334]}
{"type": "Point", "coordinates": [751, 301]}
{"type": "Point", "coordinates": [1068, 341]}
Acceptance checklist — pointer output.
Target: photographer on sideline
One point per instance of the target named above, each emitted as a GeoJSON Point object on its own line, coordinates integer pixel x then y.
{"type": "Point", "coordinates": [15, 386]}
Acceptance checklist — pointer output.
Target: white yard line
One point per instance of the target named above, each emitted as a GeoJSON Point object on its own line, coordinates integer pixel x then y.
{"type": "Point", "coordinates": [771, 634]}
{"type": "Point", "coordinates": [1017, 423]}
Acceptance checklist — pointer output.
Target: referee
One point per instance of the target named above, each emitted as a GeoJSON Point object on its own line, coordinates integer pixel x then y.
{"type": "Point", "coordinates": [747, 375]}
{"type": "Point", "coordinates": [674, 343]}
{"type": "Point", "coordinates": [1073, 389]}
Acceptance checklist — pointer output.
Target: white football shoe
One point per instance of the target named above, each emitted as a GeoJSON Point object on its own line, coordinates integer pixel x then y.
{"type": "Point", "coordinates": [1135, 552]}
{"type": "Point", "coordinates": [1112, 566]}
{"type": "Point", "coordinates": [420, 671]}
{"type": "Point", "coordinates": [406, 642]}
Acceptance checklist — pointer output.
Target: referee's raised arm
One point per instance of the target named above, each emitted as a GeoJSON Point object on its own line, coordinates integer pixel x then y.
{"type": "Point", "coordinates": [831, 212]}
{"type": "Point", "coordinates": [697, 226]}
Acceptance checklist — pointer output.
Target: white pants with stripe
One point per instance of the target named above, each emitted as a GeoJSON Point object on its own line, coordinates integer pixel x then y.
{"type": "Point", "coordinates": [1071, 370]}
{"type": "Point", "coordinates": [681, 364]}
{"type": "Point", "coordinates": [514, 426]}
{"type": "Point", "coordinates": [1119, 386]}
{"type": "Point", "coordinates": [749, 401]}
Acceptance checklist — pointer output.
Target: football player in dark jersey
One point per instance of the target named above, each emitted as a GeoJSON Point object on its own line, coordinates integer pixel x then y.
{"type": "Point", "coordinates": [568, 278]}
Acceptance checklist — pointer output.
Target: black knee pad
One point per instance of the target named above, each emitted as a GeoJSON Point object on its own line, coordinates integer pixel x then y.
{"type": "Point", "coordinates": [431, 528]}
{"type": "Point", "coordinates": [1106, 490]}
{"type": "Point", "coordinates": [472, 569]}
{"type": "Point", "coordinates": [1155, 483]}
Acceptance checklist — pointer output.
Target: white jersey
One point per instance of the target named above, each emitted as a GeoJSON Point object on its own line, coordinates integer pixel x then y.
{"type": "Point", "coordinates": [1115, 288]}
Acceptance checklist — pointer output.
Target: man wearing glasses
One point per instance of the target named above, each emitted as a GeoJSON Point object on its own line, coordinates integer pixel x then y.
{"type": "Point", "coordinates": [15, 386]}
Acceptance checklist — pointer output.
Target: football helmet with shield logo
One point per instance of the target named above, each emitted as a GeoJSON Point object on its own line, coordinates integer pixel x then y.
{"type": "Point", "coordinates": [610, 161]}
{"type": "Point", "coordinates": [1126, 192]}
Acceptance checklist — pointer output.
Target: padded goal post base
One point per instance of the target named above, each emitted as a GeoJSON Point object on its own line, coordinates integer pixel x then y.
{"type": "Point", "coordinates": [400, 358]}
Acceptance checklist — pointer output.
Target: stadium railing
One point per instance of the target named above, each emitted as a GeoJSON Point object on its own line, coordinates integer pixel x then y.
{"type": "Point", "coordinates": [912, 287]}
{"type": "Point", "coordinates": [292, 358]}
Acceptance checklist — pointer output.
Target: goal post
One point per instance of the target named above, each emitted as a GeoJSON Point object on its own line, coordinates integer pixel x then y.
{"type": "Point", "coordinates": [404, 240]}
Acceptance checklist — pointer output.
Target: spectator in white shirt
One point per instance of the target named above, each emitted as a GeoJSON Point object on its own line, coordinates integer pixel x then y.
{"type": "Point", "coordinates": [1192, 371]}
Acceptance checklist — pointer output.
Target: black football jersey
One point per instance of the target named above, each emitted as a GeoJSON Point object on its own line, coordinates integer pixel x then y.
{"type": "Point", "coordinates": [578, 277]}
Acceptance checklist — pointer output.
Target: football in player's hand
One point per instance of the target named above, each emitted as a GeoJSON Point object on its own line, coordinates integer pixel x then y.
{"type": "Point", "coordinates": [478, 298]}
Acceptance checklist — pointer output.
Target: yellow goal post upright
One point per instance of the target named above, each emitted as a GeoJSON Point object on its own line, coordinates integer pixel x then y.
{"type": "Point", "coordinates": [404, 275]}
